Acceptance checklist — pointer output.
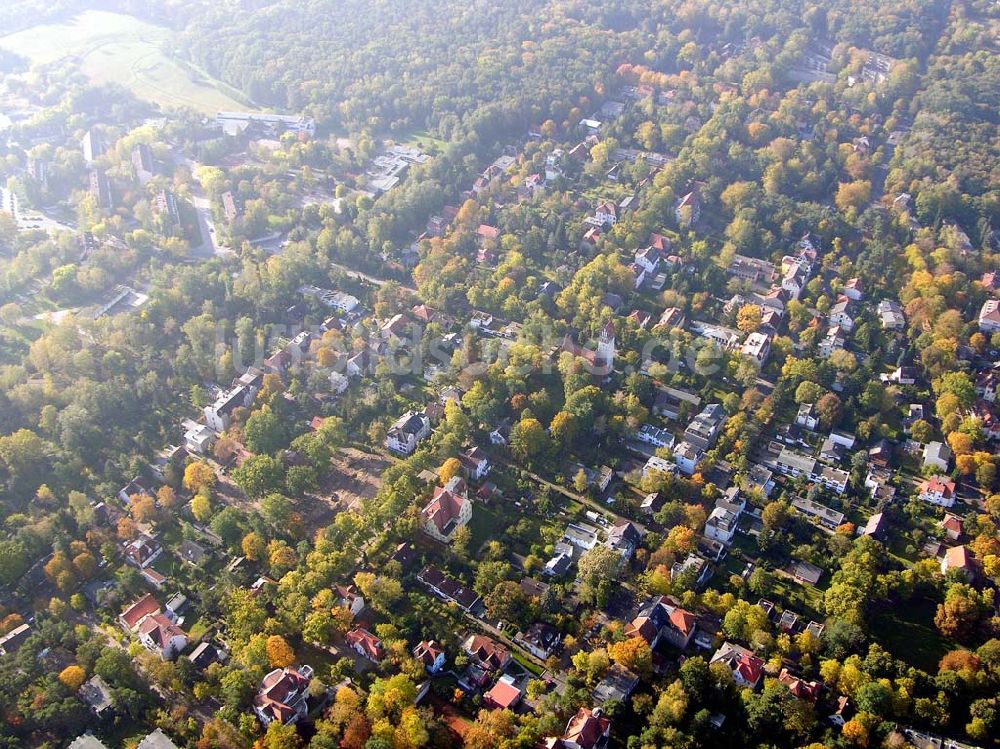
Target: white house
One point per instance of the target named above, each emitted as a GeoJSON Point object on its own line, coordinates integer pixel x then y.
{"type": "Point", "coordinates": [449, 509]}
{"type": "Point", "coordinates": [938, 490]}
{"type": "Point", "coordinates": [937, 455]}
{"type": "Point", "coordinates": [407, 432]}
{"type": "Point", "coordinates": [747, 668]}
{"type": "Point", "coordinates": [721, 525]}
{"type": "Point", "coordinates": [989, 316]}
{"type": "Point", "coordinates": [655, 436]}
{"type": "Point", "coordinates": [757, 346]}
{"type": "Point", "coordinates": [687, 457]}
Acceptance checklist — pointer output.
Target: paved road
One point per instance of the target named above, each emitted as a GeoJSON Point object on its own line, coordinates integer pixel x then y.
{"type": "Point", "coordinates": [370, 279]}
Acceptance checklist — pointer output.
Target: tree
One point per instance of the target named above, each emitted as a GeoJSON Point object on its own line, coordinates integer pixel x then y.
{"type": "Point", "coordinates": [198, 475]}
{"type": "Point", "coordinates": [264, 432]}
{"type": "Point", "coordinates": [775, 515]}
{"type": "Point", "coordinates": [279, 652]}
{"type": "Point", "coordinates": [634, 654]}
{"type": "Point", "coordinates": [23, 452]}
{"type": "Point", "coordinates": [598, 569]}
{"type": "Point", "coordinates": [73, 677]}
{"type": "Point", "coordinates": [749, 318]}
{"type": "Point", "coordinates": [489, 575]}
{"type": "Point", "coordinates": [963, 611]}
{"type": "Point", "coordinates": [253, 547]}
{"type": "Point", "coordinates": [921, 431]}
{"type": "Point", "coordinates": [564, 429]}
{"type": "Point", "coordinates": [853, 195]}
{"type": "Point", "coordinates": [201, 508]}
{"type": "Point", "coordinates": [529, 441]}
{"type": "Point", "coordinates": [259, 474]}
{"type": "Point", "coordinates": [142, 508]}
{"type": "Point", "coordinates": [507, 602]}
{"type": "Point", "coordinates": [166, 497]}
{"type": "Point", "coordinates": [829, 409]}
{"type": "Point", "coordinates": [281, 736]}
{"type": "Point", "coordinates": [451, 467]}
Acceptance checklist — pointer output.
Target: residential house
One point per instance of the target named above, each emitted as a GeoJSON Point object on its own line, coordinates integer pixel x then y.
{"type": "Point", "coordinates": [747, 668]}
{"type": "Point", "coordinates": [959, 559]}
{"type": "Point", "coordinates": [952, 526]}
{"type": "Point", "coordinates": [832, 341]}
{"type": "Point", "coordinates": [694, 569]}
{"type": "Point", "coordinates": [937, 455]}
{"type": "Point", "coordinates": [431, 654]}
{"type": "Point", "coordinates": [350, 598]}
{"type": "Point", "coordinates": [283, 695]}
{"type": "Point", "coordinates": [133, 614]}
{"type": "Point", "coordinates": [142, 163]}
{"type": "Point", "coordinates": [655, 436]}
{"type": "Point", "coordinates": [96, 694]}
{"type": "Point", "coordinates": [408, 431]}
{"type": "Point", "coordinates": [143, 551]}
{"type": "Point", "coordinates": [616, 686]}
{"type": "Point", "coordinates": [13, 640]}
{"type": "Point", "coordinates": [160, 635]}
{"type": "Point", "coordinates": [475, 464]}
{"type": "Point", "coordinates": [447, 588]}
{"type": "Point", "coordinates": [721, 525]}
{"type": "Point", "coordinates": [806, 417]}
{"type": "Point", "coordinates": [672, 403]}
{"type": "Point", "coordinates": [687, 211]}
{"type": "Point", "coordinates": [670, 318]}
{"type": "Point", "coordinates": [891, 315]}
{"type": "Point", "coordinates": [504, 695]}
{"type": "Point", "coordinates": [818, 513]}
{"type": "Point", "coordinates": [938, 490]}
{"type": "Point", "coordinates": [989, 317]}
{"type": "Point", "coordinates": [661, 619]}
{"type": "Point", "coordinates": [805, 573]}
{"type": "Point", "coordinates": [365, 644]}
{"type": "Point", "coordinates": [842, 314]}
{"type": "Point", "coordinates": [540, 639]}
{"type": "Point", "coordinates": [588, 729]}
{"type": "Point", "coordinates": [652, 503]}
{"type": "Point", "coordinates": [488, 652]}
{"type": "Point", "coordinates": [687, 457]}
{"type": "Point", "coordinates": [876, 526]}
{"type": "Point", "coordinates": [218, 415]}
{"type": "Point", "coordinates": [757, 346]}
{"type": "Point", "coordinates": [854, 289]}
{"type": "Point", "coordinates": [449, 509]}
{"type": "Point", "coordinates": [704, 429]}
{"type": "Point", "coordinates": [192, 552]}
{"type": "Point", "coordinates": [805, 690]}
{"type": "Point", "coordinates": [624, 537]}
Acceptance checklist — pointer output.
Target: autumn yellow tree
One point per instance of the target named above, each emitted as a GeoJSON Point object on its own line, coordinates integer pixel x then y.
{"type": "Point", "coordinates": [748, 319]}
{"type": "Point", "coordinates": [198, 475]}
{"type": "Point", "coordinates": [449, 469]}
{"type": "Point", "coordinates": [634, 654]}
{"type": "Point", "coordinates": [73, 677]}
{"type": "Point", "coordinates": [279, 652]}
{"type": "Point", "coordinates": [254, 547]}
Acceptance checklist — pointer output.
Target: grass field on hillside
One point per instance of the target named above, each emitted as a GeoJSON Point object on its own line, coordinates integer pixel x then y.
{"type": "Point", "coordinates": [116, 48]}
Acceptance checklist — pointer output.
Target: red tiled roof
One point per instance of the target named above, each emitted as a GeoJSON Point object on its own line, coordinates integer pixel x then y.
{"type": "Point", "coordinates": [503, 695]}
{"type": "Point", "coordinates": [443, 508]}
{"type": "Point", "coordinates": [369, 643]}
{"type": "Point", "coordinates": [139, 610]}
{"type": "Point", "coordinates": [586, 729]}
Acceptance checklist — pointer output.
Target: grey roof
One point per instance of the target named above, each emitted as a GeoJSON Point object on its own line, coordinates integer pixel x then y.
{"type": "Point", "coordinates": [87, 741]}
{"type": "Point", "coordinates": [157, 740]}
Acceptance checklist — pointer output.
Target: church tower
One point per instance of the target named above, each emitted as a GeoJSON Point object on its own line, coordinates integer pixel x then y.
{"type": "Point", "coordinates": [605, 358]}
